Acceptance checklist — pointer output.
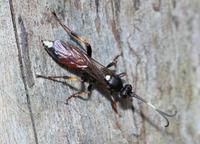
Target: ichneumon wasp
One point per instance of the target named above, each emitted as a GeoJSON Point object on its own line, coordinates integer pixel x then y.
{"type": "Point", "coordinates": [91, 71]}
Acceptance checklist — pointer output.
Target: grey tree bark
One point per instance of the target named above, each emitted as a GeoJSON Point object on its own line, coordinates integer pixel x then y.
{"type": "Point", "coordinates": [159, 41]}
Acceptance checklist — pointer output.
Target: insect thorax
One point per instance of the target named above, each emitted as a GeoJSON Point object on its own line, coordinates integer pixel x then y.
{"type": "Point", "coordinates": [115, 82]}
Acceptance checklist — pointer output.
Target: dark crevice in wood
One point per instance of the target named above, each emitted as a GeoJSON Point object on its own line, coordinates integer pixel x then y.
{"type": "Point", "coordinates": [13, 15]}
{"type": "Point", "coordinates": [25, 54]}
{"type": "Point", "coordinates": [97, 6]}
{"type": "Point", "coordinates": [136, 4]}
{"type": "Point", "coordinates": [138, 61]}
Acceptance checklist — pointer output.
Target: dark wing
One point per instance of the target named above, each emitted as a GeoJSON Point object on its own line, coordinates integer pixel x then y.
{"type": "Point", "coordinates": [104, 70]}
{"type": "Point", "coordinates": [68, 55]}
{"type": "Point", "coordinates": [98, 71]}
{"type": "Point", "coordinates": [73, 57]}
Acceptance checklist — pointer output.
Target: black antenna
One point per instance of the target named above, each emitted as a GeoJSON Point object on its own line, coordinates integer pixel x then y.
{"type": "Point", "coordinates": [163, 114]}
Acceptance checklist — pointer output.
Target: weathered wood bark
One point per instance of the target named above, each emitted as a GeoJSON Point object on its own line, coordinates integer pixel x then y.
{"type": "Point", "coordinates": [159, 41]}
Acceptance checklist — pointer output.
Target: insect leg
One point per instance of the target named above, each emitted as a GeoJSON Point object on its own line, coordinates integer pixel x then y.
{"type": "Point", "coordinates": [114, 62]}
{"type": "Point", "coordinates": [81, 94]}
{"type": "Point", "coordinates": [114, 104]}
{"type": "Point", "coordinates": [122, 74]}
{"type": "Point", "coordinates": [75, 36]}
{"type": "Point", "coordinates": [57, 77]}
{"type": "Point", "coordinates": [89, 88]}
{"type": "Point", "coordinates": [78, 94]}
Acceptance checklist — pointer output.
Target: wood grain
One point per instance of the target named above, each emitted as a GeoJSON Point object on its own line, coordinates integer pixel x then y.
{"type": "Point", "coordinates": [159, 42]}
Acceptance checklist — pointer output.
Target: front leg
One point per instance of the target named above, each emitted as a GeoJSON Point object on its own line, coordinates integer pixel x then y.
{"type": "Point", "coordinates": [114, 62]}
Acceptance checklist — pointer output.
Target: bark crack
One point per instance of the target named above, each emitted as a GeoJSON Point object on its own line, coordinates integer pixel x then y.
{"type": "Point", "coordinates": [20, 58]}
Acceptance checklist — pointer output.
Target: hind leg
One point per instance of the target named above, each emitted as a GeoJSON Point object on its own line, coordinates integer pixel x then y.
{"type": "Point", "coordinates": [75, 36]}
